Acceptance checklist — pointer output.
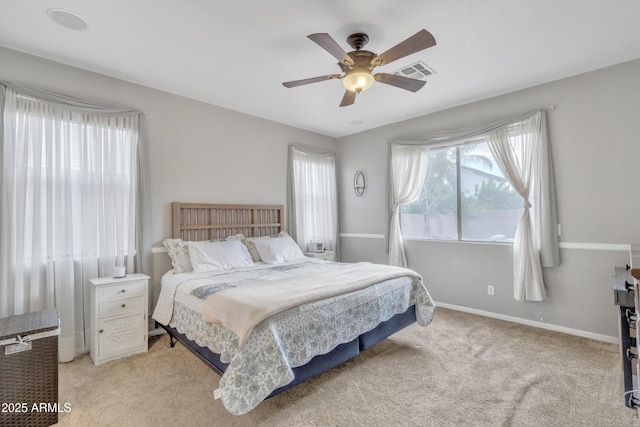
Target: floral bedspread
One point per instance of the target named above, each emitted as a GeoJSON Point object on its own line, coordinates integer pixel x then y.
{"type": "Point", "coordinates": [288, 339]}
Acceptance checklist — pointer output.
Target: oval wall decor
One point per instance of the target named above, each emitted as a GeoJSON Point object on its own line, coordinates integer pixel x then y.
{"type": "Point", "coordinates": [359, 183]}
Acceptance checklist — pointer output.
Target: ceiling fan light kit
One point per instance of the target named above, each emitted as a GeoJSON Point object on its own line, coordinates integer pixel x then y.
{"type": "Point", "coordinates": [358, 64]}
{"type": "Point", "coordinates": [358, 80]}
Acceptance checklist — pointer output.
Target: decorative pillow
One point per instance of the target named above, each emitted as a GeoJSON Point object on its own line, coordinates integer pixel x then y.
{"type": "Point", "coordinates": [248, 241]}
{"type": "Point", "coordinates": [278, 249]}
{"type": "Point", "coordinates": [179, 253]}
{"type": "Point", "coordinates": [238, 236]}
{"type": "Point", "coordinates": [251, 247]}
{"type": "Point", "coordinates": [217, 256]}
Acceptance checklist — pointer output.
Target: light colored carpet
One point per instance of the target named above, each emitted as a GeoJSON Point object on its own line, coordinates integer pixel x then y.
{"type": "Point", "coordinates": [462, 369]}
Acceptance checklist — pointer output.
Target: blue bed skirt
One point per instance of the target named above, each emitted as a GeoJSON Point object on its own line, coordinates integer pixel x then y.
{"type": "Point", "coordinates": [318, 364]}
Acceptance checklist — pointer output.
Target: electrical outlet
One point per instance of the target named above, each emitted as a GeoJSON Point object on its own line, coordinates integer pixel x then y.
{"type": "Point", "coordinates": [490, 290]}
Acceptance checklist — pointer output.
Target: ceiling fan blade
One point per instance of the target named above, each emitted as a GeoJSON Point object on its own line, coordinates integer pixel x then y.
{"type": "Point", "coordinates": [406, 83]}
{"type": "Point", "coordinates": [348, 98]}
{"type": "Point", "coordinates": [311, 80]}
{"type": "Point", "coordinates": [326, 42]}
{"type": "Point", "coordinates": [417, 42]}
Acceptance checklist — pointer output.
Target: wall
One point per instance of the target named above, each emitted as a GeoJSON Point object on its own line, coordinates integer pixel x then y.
{"type": "Point", "coordinates": [594, 130]}
{"type": "Point", "coordinates": [198, 152]}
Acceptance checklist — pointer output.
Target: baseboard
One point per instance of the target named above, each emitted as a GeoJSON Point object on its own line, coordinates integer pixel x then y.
{"type": "Point", "coordinates": [541, 325]}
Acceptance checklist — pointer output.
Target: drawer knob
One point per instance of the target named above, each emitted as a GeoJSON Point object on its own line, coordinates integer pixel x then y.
{"type": "Point", "coordinates": [123, 291]}
{"type": "Point", "coordinates": [124, 305]}
{"type": "Point", "coordinates": [101, 331]}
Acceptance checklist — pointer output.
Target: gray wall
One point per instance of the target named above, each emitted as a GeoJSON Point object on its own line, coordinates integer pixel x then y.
{"type": "Point", "coordinates": [594, 132]}
{"type": "Point", "coordinates": [198, 152]}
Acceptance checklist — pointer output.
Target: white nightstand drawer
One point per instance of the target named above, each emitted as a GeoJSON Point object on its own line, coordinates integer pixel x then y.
{"type": "Point", "coordinates": [325, 255]}
{"type": "Point", "coordinates": [124, 290]}
{"type": "Point", "coordinates": [108, 308]}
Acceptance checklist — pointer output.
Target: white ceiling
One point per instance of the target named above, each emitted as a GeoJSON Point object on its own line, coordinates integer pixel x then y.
{"type": "Point", "coordinates": [235, 54]}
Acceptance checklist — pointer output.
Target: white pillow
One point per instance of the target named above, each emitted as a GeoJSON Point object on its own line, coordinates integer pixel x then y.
{"type": "Point", "coordinates": [278, 249]}
{"type": "Point", "coordinates": [178, 251]}
{"type": "Point", "coordinates": [217, 256]}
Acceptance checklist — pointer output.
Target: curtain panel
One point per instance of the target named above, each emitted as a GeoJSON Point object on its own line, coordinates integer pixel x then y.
{"type": "Point", "coordinates": [519, 155]}
{"type": "Point", "coordinates": [312, 198]}
{"type": "Point", "coordinates": [527, 163]}
{"type": "Point", "coordinates": [408, 165]}
{"type": "Point", "coordinates": [74, 202]}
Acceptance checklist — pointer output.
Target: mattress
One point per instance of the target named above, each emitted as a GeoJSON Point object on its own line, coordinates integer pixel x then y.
{"type": "Point", "coordinates": [287, 339]}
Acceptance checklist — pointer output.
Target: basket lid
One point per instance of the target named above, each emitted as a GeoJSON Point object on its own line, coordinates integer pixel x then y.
{"type": "Point", "coordinates": [29, 323]}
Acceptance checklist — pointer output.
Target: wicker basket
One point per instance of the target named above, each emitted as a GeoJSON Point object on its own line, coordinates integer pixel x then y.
{"type": "Point", "coordinates": [29, 370]}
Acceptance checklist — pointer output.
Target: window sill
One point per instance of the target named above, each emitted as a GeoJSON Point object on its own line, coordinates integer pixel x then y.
{"type": "Point", "coordinates": [471, 242]}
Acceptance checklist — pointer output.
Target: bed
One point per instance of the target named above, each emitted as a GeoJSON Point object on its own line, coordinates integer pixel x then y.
{"type": "Point", "coordinates": [260, 351]}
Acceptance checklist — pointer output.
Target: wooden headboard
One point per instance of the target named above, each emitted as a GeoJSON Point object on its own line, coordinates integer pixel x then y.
{"type": "Point", "coordinates": [204, 221]}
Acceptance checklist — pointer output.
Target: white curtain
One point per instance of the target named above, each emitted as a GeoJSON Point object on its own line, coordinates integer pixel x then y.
{"type": "Point", "coordinates": [312, 197]}
{"type": "Point", "coordinates": [71, 205]}
{"type": "Point", "coordinates": [518, 151]}
{"type": "Point", "coordinates": [533, 167]}
{"type": "Point", "coordinates": [408, 165]}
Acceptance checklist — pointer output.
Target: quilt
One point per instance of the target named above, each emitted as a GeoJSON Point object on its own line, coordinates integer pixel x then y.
{"type": "Point", "coordinates": [289, 338]}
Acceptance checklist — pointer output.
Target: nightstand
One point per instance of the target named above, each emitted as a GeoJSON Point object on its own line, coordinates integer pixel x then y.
{"type": "Point", "coordinates": [325, 255]}
{"type": "Point", "coordinates": [118, 317]}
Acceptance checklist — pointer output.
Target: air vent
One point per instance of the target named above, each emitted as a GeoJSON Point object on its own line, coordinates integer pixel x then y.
{"type": "Point", "coordinates": [419, 71]}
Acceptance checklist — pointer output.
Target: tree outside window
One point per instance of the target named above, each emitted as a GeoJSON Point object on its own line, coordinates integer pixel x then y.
{"type": "Point", "coordinates": [465, 197]}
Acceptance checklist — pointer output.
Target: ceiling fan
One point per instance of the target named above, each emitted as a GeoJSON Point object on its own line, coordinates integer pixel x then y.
{"type": "Point", "coordinates": [358, 64]}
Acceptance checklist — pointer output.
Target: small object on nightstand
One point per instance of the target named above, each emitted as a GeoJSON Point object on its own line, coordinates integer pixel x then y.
{"type": "Point", "coordinates": [325, 255]}
{"type": "Point", "coordinates": [315, 246]}
{"type": "Point", "coordinates": [118, 317]}
{"type": "Point", "coordinates": [119, 271]}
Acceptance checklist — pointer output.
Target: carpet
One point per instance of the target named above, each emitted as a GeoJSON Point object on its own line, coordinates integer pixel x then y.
{"type": "Point", "coordinates": [463, 369]}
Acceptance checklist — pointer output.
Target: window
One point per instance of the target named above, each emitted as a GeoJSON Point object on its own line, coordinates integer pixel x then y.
{"type": "Point", "coordinates": [465, 197]}
{"type": "Point", "coordinates": [313, 199]}
{"type": "Point", "coordinates": [74, 203]}
{"type": "Point", "coordinates": [75, 171]}
{"type": "Point", "coordinates": [457, 192]}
